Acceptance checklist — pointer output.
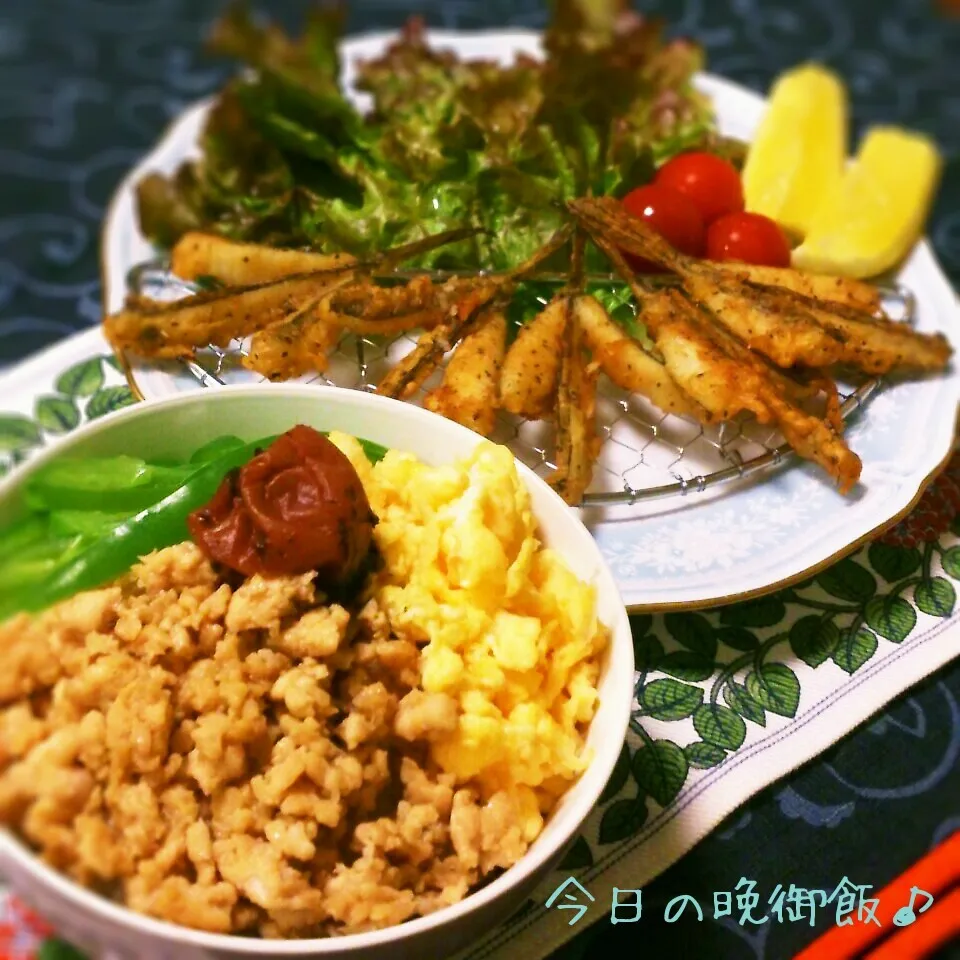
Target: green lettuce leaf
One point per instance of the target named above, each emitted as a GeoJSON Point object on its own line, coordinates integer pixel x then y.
{"type": "Point", "coordinates": [287, 159]}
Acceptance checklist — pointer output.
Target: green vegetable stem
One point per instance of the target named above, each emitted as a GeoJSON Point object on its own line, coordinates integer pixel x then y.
{"type": "Point", "coordinates": [76, 537]}
{"type": "Point", "coordinates": [116, 483]}
{"type": "Point", "coordinates": [95, 561]}
{"type": "Point", "coordinates": [216, 448]}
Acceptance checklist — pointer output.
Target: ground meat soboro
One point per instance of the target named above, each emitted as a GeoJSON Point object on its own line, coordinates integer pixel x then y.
{"type": "Point", "coordinates": [254, 759]}
{"type": "Point", "coordinates": [249, 760]}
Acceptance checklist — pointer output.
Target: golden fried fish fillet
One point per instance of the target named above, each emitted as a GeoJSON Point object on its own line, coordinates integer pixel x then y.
{"type": "Point", "coordinates": [369, 308]}
{"type": "Point", "coordinates": [843, 290]}
{"type": "Point", "coordinates": [726, 381]}
{"type": "Point", "coordinates": [171, 330]}
{"type": "Point", "coordinates": [787, 334]}
{"type": "Point", "coordinates": [239, 264]}
{"type": "Point", "coordinates": [531, 368]}
{"type": "Point", "coordinates": [577, 442]}
{"type": "Point", "coordinates": [626, 362]}
{"type": "Point", "coordinates": [784, 323]}
{"type": "Point", "coordinates": [404, 379]}
{"type": "Point", "coordinates": [293, 348]}
{"type": "Point", "coordinates": [469, 391]}
{"type": "Point", "coordinates": [875, 345]}
{"type": "Point", "coordinates": [417, 366]}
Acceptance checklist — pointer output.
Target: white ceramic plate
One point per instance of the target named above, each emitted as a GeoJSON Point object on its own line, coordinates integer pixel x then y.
{"type": "Point", "coordinates": [730, 542]}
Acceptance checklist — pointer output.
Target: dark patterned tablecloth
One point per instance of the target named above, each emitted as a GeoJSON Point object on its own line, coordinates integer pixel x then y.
{"type": "Point", "coordinates": [86, 86]}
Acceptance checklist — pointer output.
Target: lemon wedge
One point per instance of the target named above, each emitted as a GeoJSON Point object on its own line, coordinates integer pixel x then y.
{"type": "Point", "coordinates": [800, 148]}
{"type": "Point", "coordinates": [877, 211]}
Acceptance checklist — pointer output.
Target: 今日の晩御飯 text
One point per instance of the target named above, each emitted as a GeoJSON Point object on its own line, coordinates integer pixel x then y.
{"type": "Point", "coordinates": [846, 904]}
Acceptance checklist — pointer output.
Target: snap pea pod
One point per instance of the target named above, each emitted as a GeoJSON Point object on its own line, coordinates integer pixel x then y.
{"type": "Point", "coordinates": [216, 448]}
{"type": "Point", "coordinates": [27, 532]}
{"type": "Point", "coordinates": [87, 523]}
{"type": "Point", "coordinates": [36, 562]}
{"type": "Point", "coordinates": [114, 552]}
{"type": "Point", "coordinates": [118, 484]}
{"type": "Point", "coordinates": [73, 551]}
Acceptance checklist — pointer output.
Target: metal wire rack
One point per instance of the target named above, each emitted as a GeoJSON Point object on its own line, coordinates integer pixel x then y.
{"type": "Point", "coordinates": [646, 455]}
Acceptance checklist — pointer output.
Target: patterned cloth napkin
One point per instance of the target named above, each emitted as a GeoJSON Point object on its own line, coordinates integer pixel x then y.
{"type": "Point", "coordinates": [727, 700]}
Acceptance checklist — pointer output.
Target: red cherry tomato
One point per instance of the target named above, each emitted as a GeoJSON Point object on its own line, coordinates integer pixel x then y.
{"type": "Point", "coordinates": [708, 181]}
{"type": "Point", "coordinates": [750, 238]}
{"type": "Point", "coordinates": [671, 215]}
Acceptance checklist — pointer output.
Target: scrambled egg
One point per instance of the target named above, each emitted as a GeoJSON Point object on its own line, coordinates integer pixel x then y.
{"type": "Point", "coordinates": [503, 625]}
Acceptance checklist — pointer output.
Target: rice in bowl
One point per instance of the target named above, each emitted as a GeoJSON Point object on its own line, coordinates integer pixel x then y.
{"type": "Point", "coordinates": [247, 756]}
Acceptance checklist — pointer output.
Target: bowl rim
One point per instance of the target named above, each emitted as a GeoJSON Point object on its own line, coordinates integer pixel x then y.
{"type": "Point", "coordinates": [529, 864]}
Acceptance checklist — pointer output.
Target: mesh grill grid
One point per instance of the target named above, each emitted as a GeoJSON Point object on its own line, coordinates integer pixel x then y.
{"type": "Point", "coordinates": [645, 455]}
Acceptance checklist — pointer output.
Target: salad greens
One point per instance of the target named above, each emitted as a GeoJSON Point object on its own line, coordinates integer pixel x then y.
{"type": "Point", "coordinates": [90, 520]}
{"type": "Point", "coordinates": [286, 158]}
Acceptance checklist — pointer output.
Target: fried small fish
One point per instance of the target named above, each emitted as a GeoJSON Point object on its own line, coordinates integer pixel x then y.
{"type": "Point", "coordinates": [577, 442]}
{"type": "Point", "coordinates": [727, 382]}
{"type": "Point", "coordinates": [178, 329]}
{"type": "Point", "coordinates": [293, 348]}
{"type": "Point", "coordinates": [531, 368]}
{"type": "Point", "coordinates": [239, 264]}
{"type": "Point", "coordinates": [626, 362]}
{"type": "Point", "coordinates": [790, 324]}
{"type": "Point", "coordinates": [469, 391]}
